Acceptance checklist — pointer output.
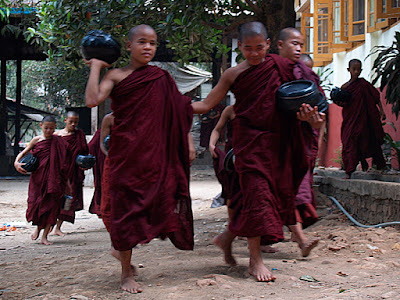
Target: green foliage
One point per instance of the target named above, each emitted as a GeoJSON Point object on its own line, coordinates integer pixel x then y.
{"type": "Point", "coordinates": [48, 87]}
{"type": "Point", "coordinates": [193, 29]}
{"type": "Point", "coordinates": [339, 159]}
{"type": "Point", "coordinates": [390, 145]}
{"type": "Point", "coordinates": [325, 82]}
{"type": "Point", "coordinates": [62, 24]}
{"type": "Point", "coordinates": [387, 68]}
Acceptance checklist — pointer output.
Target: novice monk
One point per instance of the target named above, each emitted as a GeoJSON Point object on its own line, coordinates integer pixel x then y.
{"type": "Point", "coordinates": [148, 161]}
{"type": "Point", "coordinates": [290, 45]}
{"type": "Point", "coordinates": [225, 177]}
{"type": "Point", "coordinates": [78, 146]}
{"type": "Point", "coordinates": [362, 132]}
{"type": "Point", "coordinates": [228, 179]}
{"type": "Point", "coordinates": [270, 158]}
{"type": "Point", "coordinates": [47, 183]}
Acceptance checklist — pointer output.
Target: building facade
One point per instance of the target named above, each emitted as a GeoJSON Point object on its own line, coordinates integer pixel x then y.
{"type": "Point", "coordinates": [337, 31]}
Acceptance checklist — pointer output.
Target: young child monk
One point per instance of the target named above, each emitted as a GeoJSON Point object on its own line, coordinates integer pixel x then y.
{"type": "Point", "coordinates": [226, 178]}
{"type": "Point", "coordinates": [290, 45]}
{"type": "Point", "coordinates": [229, 179]}
{"type": "Point", "coordinates": [269, 150]}
{"type": "Point", "coordinates": [47, 183]}
{"type": "Point", "coordinates": [148, 161]}
{"type": "Point", "coordinates": [362, 133]}
{"type": "Point", "coordinates": [96, 148]}
{"type": "Point", "coordinates": [78, 146]}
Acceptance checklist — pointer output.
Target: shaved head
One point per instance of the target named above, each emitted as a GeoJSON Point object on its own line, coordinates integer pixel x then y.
{"type": "Point", "coordinates": [252, 29]}
{"type": "Point", "coordinates": [285, 33]}
{"type": "Point", "coordinates": [49, 118]}
{"type": "Point", "coordinates": [354, 61]}
{"type": "Point", "coordinates": [305, 58]}
{"type": "Point", "coordinates": [72, 113]}
{"type": "Point", "coordinates": [138, 28]}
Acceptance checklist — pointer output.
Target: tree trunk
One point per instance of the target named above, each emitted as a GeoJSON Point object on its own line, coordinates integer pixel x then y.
{"type": "Point", "coordinates": [276, 15]}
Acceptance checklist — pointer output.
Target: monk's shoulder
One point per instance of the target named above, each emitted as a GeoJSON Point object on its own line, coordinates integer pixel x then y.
{"type": "Point", "coordinates": [118, 74]}
{"type": "Point", "coordinates": [232, 73]}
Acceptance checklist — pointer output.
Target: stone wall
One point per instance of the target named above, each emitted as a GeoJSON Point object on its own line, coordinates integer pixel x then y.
{"type": "Point", "coordinates": [368, 201]}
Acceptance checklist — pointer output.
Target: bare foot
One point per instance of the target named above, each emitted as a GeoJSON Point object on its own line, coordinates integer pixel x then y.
{"type": "Point", "coordinates": [130, 285]}
{"type": "Point", "coordinates": [45, 241]}
{"type": "Point", "coordinates": [59, 232]}
{"type": "Point", "coordinates": [260, 272]}
{"type": "Point", "coordinates": [268, 249]}
{"type": "Point", "coordinates": [35, 235]}
{"type": "Point", "coordinates": [308, 246]}
{"type": "Point", "coordinates": [225, 244]}
{"type": "Point", "coordinates": [117, 255]}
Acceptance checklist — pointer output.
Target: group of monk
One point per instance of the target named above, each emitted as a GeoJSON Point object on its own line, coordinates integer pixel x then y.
{"type": "Point", "coordinates": [142, 183]}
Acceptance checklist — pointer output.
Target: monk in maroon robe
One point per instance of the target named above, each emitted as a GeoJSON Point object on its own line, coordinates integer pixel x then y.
{"type": "Point", "coordinates": [270, 157]}
{"type": "Point", "coordinates": [290, 44]}
{"type": "Point", "coordinates": [147, 166]}
{"type": "Point", "coordinates": [94, 149]}
{"type": "Point", "coordinates": [362, 132]}
{"type": "Point", "coordinates": [78, 146]}
{"type": "Point", "coordinates": [47, 183]}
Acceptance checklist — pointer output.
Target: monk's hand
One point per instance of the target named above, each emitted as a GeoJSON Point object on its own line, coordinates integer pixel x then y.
{"type": "Point", "coordinates": [192, 153]}
{"type": "Point", "coordinates": [211, 148]}
{"type": "Point", "coordinates": [19, 168]}
{"type": "Point", "coordinates": [306, 112]}
{"type": "Point", "coordinates": [96, 63]}
{"type": "Point", "coordinates": [317, 120]}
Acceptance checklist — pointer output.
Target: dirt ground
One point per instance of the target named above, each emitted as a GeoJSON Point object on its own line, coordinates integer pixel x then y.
{"type": "Point", "coordinates": [349, 263]}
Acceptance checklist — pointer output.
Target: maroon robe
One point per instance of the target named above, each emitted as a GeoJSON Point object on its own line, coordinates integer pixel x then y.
{"type": "Point", "coordinates": [305, 198]}
{"type": "Point", "coordinates": [75, 175]}
{"type": "Point", "coordinates": [362, 132]}
{"type": "Point", "coordinates": [148, 161]}
{"type": "Point", "coordinates": [94, 149]}
{"type": "Point", "coordinates": [269, 150]}
{"type": "Point", "coordinates": [47, 182]}
{"type": "Point", "coordinates": [227, 179]}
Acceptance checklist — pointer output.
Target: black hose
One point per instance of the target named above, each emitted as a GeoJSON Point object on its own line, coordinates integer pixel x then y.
{"type": "Point", "coordinates": [357, 223]}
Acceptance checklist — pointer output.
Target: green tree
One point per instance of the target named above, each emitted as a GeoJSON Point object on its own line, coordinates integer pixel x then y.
{"type": "Point", "coordinates": [195, 30]}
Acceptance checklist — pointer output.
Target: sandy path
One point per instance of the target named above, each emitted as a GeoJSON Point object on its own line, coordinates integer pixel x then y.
{"type": "Point", "coordinates": [350, 263]}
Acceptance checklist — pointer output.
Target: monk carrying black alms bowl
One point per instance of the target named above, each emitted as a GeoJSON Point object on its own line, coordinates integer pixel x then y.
{"type": "Point", "coordinates": [291, 95]}
{"type": "Point", "coordinates": [101, 45]}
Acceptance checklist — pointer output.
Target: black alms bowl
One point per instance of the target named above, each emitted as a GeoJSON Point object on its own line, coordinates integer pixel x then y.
{"type": "Point", "coordinates": [106, 142]}
{"type": "Point", "coordinates": [31, 162]}
{"type": "Point", "coordinates": [340, 97]}
{"type": "Point", "coordinates": [229, 161]}
{"type": "Point", "coordinates": [101, 45]}
{"type": "Point", "coordinates": [85, 161]}
{"type": "Point", "coordinates": [291, 95]}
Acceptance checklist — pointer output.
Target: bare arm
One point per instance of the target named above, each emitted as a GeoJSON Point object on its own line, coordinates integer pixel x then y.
{"type": "Point", "coordinates": [226, 115]}
{"type": "Point", "coordinates": [17, 164]}
{"type": "Point", "coordinates": [216, 94]}
{"type": "Point", "coordinates": [96, 93]}
{"type": "Point", "coordinates": [192, 149]}
{"type": "Point", "coordinates": [106, 125]}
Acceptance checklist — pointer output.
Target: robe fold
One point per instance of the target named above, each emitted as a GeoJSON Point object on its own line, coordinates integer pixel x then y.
{"type": "Point", "coordinates": [305, 199]}
{"type": "Point", "coordinates": [148, 161]}
{"type": "Point", "coordinates": [94, 149]}
{"type": "Point", "coordinates": [269, 150]}
{"type": "Point", "coordinates": [47, 182]}
{"type": "Point", "coordinates": [78, 146]}
{"type": "Point", "coordinates": [362, 132]}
